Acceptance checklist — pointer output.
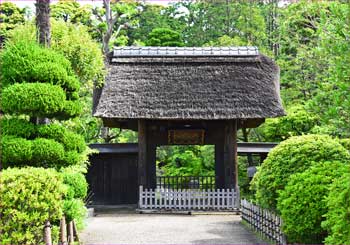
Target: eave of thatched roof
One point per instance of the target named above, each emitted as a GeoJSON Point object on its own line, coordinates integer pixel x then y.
{"type": "Point", "coordinates": [187, 85]}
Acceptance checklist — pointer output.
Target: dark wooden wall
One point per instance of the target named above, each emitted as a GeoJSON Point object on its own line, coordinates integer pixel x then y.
{"type": "Point", "coordinates": [112, 178]}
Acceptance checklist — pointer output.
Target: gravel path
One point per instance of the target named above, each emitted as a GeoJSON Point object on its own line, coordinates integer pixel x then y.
{"type": "Point", "coordinates": [167, 229]}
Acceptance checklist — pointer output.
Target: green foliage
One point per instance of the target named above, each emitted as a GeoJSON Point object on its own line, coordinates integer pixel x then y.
{"type": "Point", "coordinates": [71, 141]}
{"type": "Point", "coordinates": [345, 143]}
{"type": "Point", "coordinates": [302, 203]}
{"type": "Point", "coordinates": [10, 16]}
{"type": "Point", "coordinates": [337, 221]}
{"type": "Point", "coordinates": [291, 156]}
{"type": "Point", "coordinates": [74, 209]}
{"type": "Point", "coordinates": [29, 197]}
{"type": "Point", "coordinates": [164, 37]}
{"type": "Point", "coordinates": [297, 122]}
{"type": "Point", "coordinates": [77, 185]}
{"type": "Point", "coordinates": [46, 153]}
{"type": "Point", "coordinates": [27, 61]}
{"type": "Point", "coordinates": [17, 127]}
{"type": "Point", "coordinates": [15, 151]}
{"type": "Point", "coordinates": [33, 99]}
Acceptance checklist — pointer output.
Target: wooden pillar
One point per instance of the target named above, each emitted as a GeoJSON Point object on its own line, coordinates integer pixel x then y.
{"type": "Point", "coordinates": [219, 165]}
{"type": "Point", "coordinates": [142, 161]}
{"type": "Point", "coordinates": [151, 165]}
{"type": "Point", "coordinates": [230, 154]}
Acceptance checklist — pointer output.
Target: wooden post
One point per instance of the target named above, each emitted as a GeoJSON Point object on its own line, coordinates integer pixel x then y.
{"type": "Point", "coordinates": [70, 233]}
{"type": "Point", "coordinates": [151, 165]}
{"type": "Point", "coordinates": [47, 233]}
{"type": "Point", "coordinates": [142, 161]}
{"type": "Point", "coordinates": [63, 231]}
{"type": "Point", "coordinates": [235, 158]}
{"type": "Point", "coordinates": [229, 155]}
{"type": "Point", "coordinates": [76, 233]}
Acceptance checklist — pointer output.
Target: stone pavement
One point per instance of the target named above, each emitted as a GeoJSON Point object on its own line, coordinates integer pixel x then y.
{"type": "Point", "coordinates": [132, 228]}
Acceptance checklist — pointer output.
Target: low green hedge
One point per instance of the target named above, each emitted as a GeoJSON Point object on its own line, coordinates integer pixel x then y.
{"type": "Point", "coordinates": [302, 203]}
{"type": "Point", "coordinates": [29, 197]}
{"type": "Point", "coordinates": [77, 185]}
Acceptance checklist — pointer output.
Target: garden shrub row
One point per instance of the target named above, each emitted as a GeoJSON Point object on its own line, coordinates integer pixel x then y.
{"type": "Point", "coordinates": [297, 181]}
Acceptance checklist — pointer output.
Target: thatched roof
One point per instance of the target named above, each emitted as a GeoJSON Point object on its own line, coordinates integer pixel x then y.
{"type": "Point", "coordinates": [190, 84]}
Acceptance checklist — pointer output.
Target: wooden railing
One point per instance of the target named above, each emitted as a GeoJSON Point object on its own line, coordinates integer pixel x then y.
{"type": "Point", "coordinates": [186, 182]}
{"type": "Point", "coordinates": [263, 221]}
{"type": "Point", "coordinates": [168, 199]}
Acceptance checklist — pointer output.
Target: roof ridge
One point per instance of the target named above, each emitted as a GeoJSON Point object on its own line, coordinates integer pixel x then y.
{"type": "Point", "coordinates": [233, 51]}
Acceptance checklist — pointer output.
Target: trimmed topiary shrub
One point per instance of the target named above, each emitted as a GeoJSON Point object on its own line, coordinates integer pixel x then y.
{"type": "Point", "coordinates": [47, 153]}
{"type": "Point", "coordinates": [17, 127]}
{"type": "Point", "coordinates": [33, 99]}
{"type": "Point", "coordinates": [291, 156]}
{"type": "Point", "coordinates": [29, 197]}
{"type": "Point", "coordinates": [302, 202]}
{"type": "Point", "coordinates": [71, 141]}
{"type": "Point", "coordinates": [337, 221]}
{"type": "Point", "coordinates": [15, 151]}
{"type": "Point", "coordinates": [74, 209]}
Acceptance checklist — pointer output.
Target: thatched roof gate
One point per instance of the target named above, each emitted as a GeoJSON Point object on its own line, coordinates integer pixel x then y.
{"type": "Point", "coordinates": [189, 96]}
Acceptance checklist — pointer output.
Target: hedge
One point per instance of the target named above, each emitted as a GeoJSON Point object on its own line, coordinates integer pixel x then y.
{"type": "Point", "coordinates": [337, 221]}
{"type": "Point", "coordinates": [29, 197]}
{"type": "Point", "coordinates": [291, 156]}
{"type": "Point", "coordinates": [47, 153]}
{"type": "Point", "coordinates": [77, 185]}
{"type": "Point", "coordinates": [302, 203]}
{"type": "Point", "coordinates": [33, 99]}
{"type": "Point", "coordinates": [17, 127]}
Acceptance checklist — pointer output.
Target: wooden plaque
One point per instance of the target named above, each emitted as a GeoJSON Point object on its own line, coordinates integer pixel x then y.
{"type": "Point", "coordinates": [186, 137]}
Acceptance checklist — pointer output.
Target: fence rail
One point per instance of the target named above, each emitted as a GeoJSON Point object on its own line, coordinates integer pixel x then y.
{"type": "Point", "coordinates": [186, 182]}
{"type": "Point", "coordinates": [168, 199]}
{"type": "Point", "coordinates": [263, 221]}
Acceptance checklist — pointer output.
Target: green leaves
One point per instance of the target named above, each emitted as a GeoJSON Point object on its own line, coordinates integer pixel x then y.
{"type": "Point", "coordinates": [291, 156]}
{"type": "Point", "coordinates": [29, 197]}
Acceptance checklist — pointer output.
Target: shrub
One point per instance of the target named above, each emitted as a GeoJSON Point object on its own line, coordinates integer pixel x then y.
{"type": "Point", "coordinates": [29, 197]}
{"type": "Point", "coordinates": [26, 61]}
{"type": "Point", "coordinates": [33, 99]}
{"type": "Point", "coordinates": [71, 141]}
{"type": "Point", "coordinates": [15, 151]}
{"type": "Point", "coordinates": [345, 143]}
{"type": "Point", "coordinates": [302, 203]}
{"type": "Point", "coordinates": [72, 108]}
{"type": "Point", "coordinates": [337, 221]}
{"type": "Point", "coordinates": [291, 156]}
{"type": "Point", "coordinates": [72, 158]}
{"type": "Point", "coordinates": [77, 185]}
{"type": "Point", "coordinates": [17, 127]}
{"type": "Point", "coordinates": [47, 153]}
{"type": "Point", "coordinates": [74, 209]}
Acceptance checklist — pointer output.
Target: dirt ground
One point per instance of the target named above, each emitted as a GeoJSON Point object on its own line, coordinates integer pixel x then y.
{"type": "Point", "coordinates": [132, 228]}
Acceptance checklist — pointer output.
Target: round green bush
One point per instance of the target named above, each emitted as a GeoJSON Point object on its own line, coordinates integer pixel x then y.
{"type": "Point", "coordinates": [29, 197]}
{"type": "Point", "coordinates": [77, 185]}
{"type": "Point", "coordinates": [72, 108]}
{"type": "Point", "coordinates": [337, 221]}
{"type": "Point", "coordinates": [47, 153]}
{"type": "Point", "coordinates": [291, 156]}
{"type": "Point", "coordinates": [71, 141]}
{"type": "Point", "coordinates": [17, 127]}
{"type": "Point", "coordinates": [33, 99]}
{"type": "Point", "coordinates": [15, 151]}
{"type": "Point", "coordinates": [302, 203]}
{"type": "Point", "coordinates": [71, 158]}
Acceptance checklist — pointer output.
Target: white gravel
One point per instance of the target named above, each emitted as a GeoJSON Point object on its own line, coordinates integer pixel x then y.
{"type": "Point", "coordinates": [134, 228]}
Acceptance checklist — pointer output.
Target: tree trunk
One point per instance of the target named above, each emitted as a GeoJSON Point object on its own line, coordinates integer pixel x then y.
{"type": "Point", "coordinates": [43, 22]}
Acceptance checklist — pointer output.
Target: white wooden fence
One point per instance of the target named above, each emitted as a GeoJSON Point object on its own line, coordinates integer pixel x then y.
{"type": "Point", "coordinates": [263, 221]}
{"type": "Point", "coordinates": [168, 199]}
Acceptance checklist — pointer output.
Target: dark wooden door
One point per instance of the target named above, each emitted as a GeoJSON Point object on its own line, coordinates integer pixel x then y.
{"type": "Point", "coordinates": [112, 178]}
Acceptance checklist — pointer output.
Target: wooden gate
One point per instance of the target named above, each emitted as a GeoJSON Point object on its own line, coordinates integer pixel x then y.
{"type": "Point", "coordinates": [112, 178]}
